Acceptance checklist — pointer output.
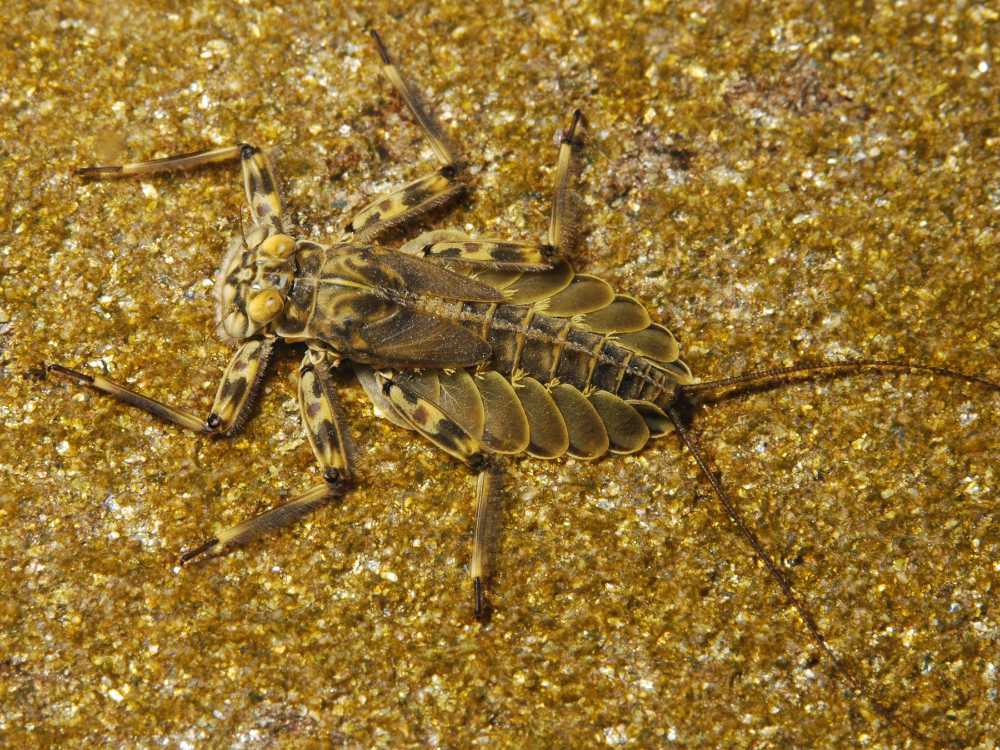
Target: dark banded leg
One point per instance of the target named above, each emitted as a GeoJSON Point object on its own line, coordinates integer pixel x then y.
{"type": "Point", "coordinates": [424, 194]}
{"type": "Point", "coordinates": [323, 417]}
{"type": "Point", "coordinates": [429, 419]}
{"type": "Point", "coordinates": [453, 246]}
{"type": "Point", "coordinates": [489, 489]}
{"type": "Point", "coordinates": [233, 400]}
{"type": "Point", "coordinates": [563, 222]}
{"type": "Point", "coordinates": [258, 175]}
{"type": "Point", "coordinates": [326, 428]}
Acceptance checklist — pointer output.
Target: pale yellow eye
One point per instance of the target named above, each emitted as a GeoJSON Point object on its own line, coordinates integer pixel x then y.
{"type": "Point", "coordinates": [266, 305]}
{"type": "Point", "coordinates": [277, 246]}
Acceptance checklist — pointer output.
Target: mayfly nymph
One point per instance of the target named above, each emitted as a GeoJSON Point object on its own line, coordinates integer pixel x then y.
{"type": "Point", "coordinates": [486, 347]}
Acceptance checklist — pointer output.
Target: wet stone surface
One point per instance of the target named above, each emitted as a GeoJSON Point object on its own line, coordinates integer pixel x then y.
{"type": "Point", "coordinates": [778, 183]}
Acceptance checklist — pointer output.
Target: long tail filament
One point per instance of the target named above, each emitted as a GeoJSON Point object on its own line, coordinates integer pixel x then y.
{"type": "Point", "coordinates": [679, 412]}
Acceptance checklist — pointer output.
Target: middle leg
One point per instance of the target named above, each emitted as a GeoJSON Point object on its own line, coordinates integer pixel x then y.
{"type": "Point", "coordinates": [322, 417]}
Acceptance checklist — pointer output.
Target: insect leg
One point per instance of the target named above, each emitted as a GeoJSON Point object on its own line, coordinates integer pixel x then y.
{"type": "Point", "coordinates": [324, 419]}
{"type": "Point", "coordinates": [275, 518]}
{"type": "Point", "coordinates": [562, 224]}
{"type": "Point", "coordinates": [489, 489]}
{"type": "Point", "coordinates": [421, 195]}
{"type": "Point", "coordinates": [258, 175]}
{"type": "Point", "coordinates": [166, 164]}
{"type": "Point", "coordinates": [453, 246]}
{"type": "Point", "coordinates": [261, 186]}
{"type": "Point", "coordinates": [326, 427]}
{"type": "Point", "coordinates": [444, 151]}
{"type": "Point", "coordinates": [233, 400]}
{"type": "Point", "coordinates": [427, 417]}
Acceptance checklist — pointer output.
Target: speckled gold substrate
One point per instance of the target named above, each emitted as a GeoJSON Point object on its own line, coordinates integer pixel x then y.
{"type": "Point", "coordinates": [779, 183]}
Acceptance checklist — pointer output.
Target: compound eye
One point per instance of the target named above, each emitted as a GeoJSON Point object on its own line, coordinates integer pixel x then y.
{"type": "Point", "coordinates": [277, 246]}
{"type": "Point", "coordinates": [265, 305]}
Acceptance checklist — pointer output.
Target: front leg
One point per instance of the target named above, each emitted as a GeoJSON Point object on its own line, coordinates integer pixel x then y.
{"type": "Point", "coordinates": [322, 417]}
{"type": "Point", "coordinates": [233, 399]}
{"type": "Point", "coordinates": [259, 181]}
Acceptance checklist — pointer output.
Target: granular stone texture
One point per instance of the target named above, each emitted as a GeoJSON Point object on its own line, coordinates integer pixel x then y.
{"type": "Point", "coordinates": [779, 181]}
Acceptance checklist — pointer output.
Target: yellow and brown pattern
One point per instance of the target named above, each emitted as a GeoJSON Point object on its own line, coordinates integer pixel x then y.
{"type": "Point", "coordinates": [489, 348]}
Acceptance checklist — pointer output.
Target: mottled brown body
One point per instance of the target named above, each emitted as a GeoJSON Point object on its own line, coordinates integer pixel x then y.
{"type": "Point", "coordinates": [523, 339]}
{"type": "Point", "coordinates": [547, 348]}
{"type": "Point", "coordinates": [481, 345]}
{"type": "Point", "coordinates": [586, 371]}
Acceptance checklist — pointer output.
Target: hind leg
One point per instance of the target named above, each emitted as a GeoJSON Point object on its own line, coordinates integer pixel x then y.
{"type": "Point", "coordinates": [423, 194]}
{"type": "Point", "coordinates": [490, 254]}
{"type": "Point", "coordinates": [452, 418]}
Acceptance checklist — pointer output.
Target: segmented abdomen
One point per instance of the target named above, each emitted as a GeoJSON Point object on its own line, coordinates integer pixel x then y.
{"type": "Point", "coordinates": [555, 384]}
{"type": "Point", "coordinates": [526, 341]}
{"type": "Point", "coordinates": [573, 367]}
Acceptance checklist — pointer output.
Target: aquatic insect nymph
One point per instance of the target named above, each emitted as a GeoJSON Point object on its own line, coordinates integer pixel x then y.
{"type": "Point", "coordinates": [486, 347]}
